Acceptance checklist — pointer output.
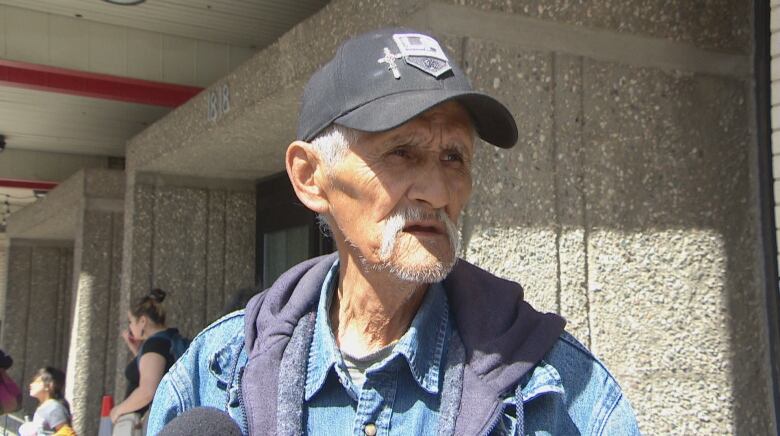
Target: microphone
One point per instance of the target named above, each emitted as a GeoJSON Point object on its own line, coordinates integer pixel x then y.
{"type": "Point", "coordinates": [203, 421]}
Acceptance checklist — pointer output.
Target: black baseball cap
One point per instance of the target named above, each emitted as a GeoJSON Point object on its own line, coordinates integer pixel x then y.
{"type": "Point", "coordinates": [382, 79]}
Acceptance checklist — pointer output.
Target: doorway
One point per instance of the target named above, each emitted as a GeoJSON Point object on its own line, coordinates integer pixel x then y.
{"type": "Point", "coordinates": [287, 232]}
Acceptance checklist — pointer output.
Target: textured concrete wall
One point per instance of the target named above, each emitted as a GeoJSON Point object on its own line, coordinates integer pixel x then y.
{"type": "Point", "coordinates": [3, 277]}
{"type": "Point", "coordinates": [722, 25]}
{"type": "Point", "coordinates": [629, 205]}
{"type": "Point", "coordinates": [193, 238]}
{"type": "Point", "coordinates": [634, 228]}
{"type": "Point", "coordinates": [36, 327]}
{"type": "Point", "coordinates": [97, 320]}
{"type": "Point", "coordinates": [54, 217]}
{"type": "Point", "coordinates": [629, 209]}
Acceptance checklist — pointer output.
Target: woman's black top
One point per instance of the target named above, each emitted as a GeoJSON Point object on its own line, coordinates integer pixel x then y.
{"type": "Point", "coordinates": [156, 344]}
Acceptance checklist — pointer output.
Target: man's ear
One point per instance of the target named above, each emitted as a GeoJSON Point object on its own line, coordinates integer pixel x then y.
{"type": "Point", "coordinates": [306, 173]}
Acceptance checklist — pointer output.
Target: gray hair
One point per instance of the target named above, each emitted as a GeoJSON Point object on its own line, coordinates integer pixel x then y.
{"type": "Point", "coordinates": [333, 142]}
{"type": "Point", "coordinates": [332, 145]}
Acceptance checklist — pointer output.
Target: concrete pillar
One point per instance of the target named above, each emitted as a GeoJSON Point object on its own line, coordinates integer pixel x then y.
{"type": "Point", "coordinates": [96, 320]}
{"type": "Point", "coordinates": [85, 211]}
{"type": "Point", "coordinates": [37, 313]}
{"type": "Point", "coordinates": [192, 237]}
{"type": "Point", "coordinates": [3, 277]}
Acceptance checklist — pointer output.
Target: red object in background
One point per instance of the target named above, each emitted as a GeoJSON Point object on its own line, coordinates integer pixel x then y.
{"type": "Point", "coordinates": [28, 184]}
{"type": "Point", "coordinates": [108, 404]}
{"type": "Point", "coordinates": [85, 84]}
{"type": "Point", "coordinates": [106, 427]}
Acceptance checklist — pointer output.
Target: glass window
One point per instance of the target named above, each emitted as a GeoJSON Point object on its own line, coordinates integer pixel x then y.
{"type": "Point", "coordinates": [283, 249]}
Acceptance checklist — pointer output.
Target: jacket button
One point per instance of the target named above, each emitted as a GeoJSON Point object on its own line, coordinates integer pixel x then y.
{"type": "Point", "coordinates": [370, 429]}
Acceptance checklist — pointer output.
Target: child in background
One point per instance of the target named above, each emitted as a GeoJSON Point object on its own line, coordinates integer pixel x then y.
{"type": "Point", "coordinates": [52, 417]}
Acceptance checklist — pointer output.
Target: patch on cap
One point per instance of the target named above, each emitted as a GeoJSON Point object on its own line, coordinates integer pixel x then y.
{"type": "Point", "coordinates": [422, 52]}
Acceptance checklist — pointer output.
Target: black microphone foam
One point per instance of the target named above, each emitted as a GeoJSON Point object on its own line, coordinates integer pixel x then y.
{"type": "Point", "coordinates": [202, 421]}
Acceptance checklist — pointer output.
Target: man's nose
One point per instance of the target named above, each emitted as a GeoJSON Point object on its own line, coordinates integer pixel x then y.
{"type": "Point", "coordinates": [430, 185]}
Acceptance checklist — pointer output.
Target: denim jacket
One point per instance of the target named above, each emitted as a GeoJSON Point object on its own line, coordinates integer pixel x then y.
{"type": "Point", "coordinates": [532, 385]}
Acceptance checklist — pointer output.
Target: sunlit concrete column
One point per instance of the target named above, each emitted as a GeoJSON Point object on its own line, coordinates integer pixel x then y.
{"type": "Point", "coordinates": [96, 320]}
{"type": "Point", "coordinates": [85, 214]}
{"type": "Point", "coordinates": [3, 276]}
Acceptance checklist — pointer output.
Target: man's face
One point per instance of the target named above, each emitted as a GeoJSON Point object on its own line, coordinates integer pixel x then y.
{"type": "Point", "coordinates": [396, 196]}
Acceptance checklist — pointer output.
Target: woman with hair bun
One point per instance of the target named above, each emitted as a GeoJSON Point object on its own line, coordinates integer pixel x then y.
{"type": "Point", "coordinates": [156, 347]}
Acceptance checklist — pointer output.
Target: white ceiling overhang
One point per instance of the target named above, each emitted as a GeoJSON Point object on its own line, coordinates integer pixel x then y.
{"type": "Point", "coordinates": [190, 43]}
{"type": "Point", "coordinates": [159, 43]}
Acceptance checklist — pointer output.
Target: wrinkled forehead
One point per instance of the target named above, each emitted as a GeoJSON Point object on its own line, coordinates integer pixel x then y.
{"type": "Point", "coordinates": [450, 118]}
{"type": "Point", "coordinates": [451, 112]}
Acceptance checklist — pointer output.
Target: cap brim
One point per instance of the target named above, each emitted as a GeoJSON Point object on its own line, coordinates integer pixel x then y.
{"type": "Point", "coordinates": [492, 120]}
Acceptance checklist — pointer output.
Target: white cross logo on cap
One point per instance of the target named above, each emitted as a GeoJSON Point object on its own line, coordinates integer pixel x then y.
{"type": "Point", "coordinates": [389, 59]}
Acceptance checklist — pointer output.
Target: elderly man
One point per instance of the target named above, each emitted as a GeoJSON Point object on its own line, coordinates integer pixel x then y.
{"type": "Point", "coordinates": [393, 334]}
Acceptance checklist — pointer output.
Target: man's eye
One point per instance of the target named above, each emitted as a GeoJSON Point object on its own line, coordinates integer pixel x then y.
{"type": "Point", "coordinates": [400, 151]}
{"type": "Point", "coordinates": [453, 157]}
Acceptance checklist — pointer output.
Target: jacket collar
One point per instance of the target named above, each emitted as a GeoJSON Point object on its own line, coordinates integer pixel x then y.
{"type": "Point", "coordinates": [502, 335]}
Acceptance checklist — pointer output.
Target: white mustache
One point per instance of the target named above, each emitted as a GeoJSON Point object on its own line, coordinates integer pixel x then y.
{"type": "Point", "coordinates": [396, 223]}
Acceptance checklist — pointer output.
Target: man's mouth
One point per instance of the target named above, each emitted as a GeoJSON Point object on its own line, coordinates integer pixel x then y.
{"type": "Point", "coordinates": [424, 229]}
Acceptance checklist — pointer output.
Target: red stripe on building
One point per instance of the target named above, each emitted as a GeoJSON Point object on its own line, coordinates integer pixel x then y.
{"type": "Point", "coordinates": [53, 79]}
{"type": "Point", "coordinates": [28, 184]}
